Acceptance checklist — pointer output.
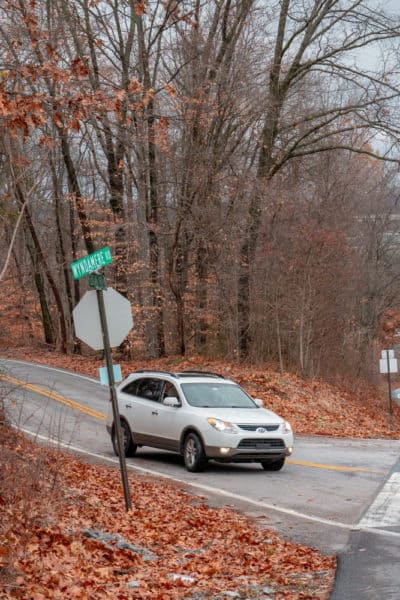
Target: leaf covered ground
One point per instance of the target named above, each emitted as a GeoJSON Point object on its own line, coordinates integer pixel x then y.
{"type": "Point", "coordinates": [65, 534]}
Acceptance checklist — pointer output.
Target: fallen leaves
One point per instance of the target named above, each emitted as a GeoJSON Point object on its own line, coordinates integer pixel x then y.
{"type": "Point", "coordinates": [182, 547]}
{"type": "Point", "coordinates": [170, 545]}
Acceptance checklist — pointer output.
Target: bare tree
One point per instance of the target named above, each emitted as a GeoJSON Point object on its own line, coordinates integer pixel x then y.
{"type": "Point", "coordinates": [314, 42]}
{"type": "Point", "coordinates": [214, 116]}
{"type": "Point", "coordinates": [210, 144]}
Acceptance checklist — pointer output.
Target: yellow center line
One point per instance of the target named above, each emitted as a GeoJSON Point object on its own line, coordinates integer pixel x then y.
{"type": "Point", "coordinates": [304, 463]}
{"type": "Point", "coordinates": [54, 396]}
{"type": "Point", "coordinates": [98, 415]}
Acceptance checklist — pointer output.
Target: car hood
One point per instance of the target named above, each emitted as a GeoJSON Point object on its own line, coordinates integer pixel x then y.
{"type": "Point", "coordinates": [242, 415]}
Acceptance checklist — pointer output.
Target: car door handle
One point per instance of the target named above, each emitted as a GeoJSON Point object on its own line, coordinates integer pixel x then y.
{"type": "Point", "coordinates": [128, 406]}
{"type": "Point", "coordinates": [154, 412]}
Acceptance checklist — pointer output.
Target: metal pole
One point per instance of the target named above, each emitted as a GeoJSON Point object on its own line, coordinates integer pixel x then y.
{"type": "Point", "coordinates": [111, 382]}
{"type": "Point", "coordinates": [389, 383]}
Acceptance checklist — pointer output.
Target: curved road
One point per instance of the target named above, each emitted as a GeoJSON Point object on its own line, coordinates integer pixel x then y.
{"type": "Point", "coordinates": [341, 496]}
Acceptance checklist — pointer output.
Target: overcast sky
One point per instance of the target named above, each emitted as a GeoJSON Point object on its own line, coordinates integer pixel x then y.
{"type": "Point", "coordinates": [369, 58]}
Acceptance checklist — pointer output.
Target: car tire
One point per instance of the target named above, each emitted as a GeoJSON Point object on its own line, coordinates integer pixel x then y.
{"type": "Point", "coordinates": [275, 465]}
{"type": "Point", "coordinates": [193, 453]}
{"type": "Point", "coordinates": [127, 441]}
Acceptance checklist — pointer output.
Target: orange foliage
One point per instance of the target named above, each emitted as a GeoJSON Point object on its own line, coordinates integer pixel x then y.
{"type": "Point", "coordinates": [180, 547]}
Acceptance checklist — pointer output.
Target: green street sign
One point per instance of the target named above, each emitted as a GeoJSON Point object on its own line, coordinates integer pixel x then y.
{"type": "Point", "coordinates": [97, 281]}
{"type": "Point", "coordinates": [91, 262]}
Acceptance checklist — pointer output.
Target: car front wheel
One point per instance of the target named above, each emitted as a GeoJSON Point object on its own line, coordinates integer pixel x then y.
{"type": "Point", "coordinates": [193, 453]}
{"type": "Point", "coordinates": [275, 465]}
{"type": "Point", "coordinates": [127, 441]}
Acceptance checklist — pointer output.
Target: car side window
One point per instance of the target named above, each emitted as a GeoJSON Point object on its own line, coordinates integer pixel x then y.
{"type": "Point", "coordinates": [149, 388]}
{"type": "Point", "coordinates": [130, 388]}
{"type": "Point", "coordinates": [170, 390]}
{"type": "Point", "coordinates": [146, 387]}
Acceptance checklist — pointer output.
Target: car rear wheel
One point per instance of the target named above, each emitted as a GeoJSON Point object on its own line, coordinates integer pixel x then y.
{"type": "Point", "coordinates": [193, 453]}
{"type": "Point", "coordinates": [127, 441]}
{"type": "Point", "coordinates": [275, 465]}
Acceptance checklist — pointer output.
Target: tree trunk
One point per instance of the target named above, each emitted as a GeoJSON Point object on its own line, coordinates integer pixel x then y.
{"type": "Point", "coordinates": [177, 279]}
{"type": "Point", "coordinates": [41, 260]}
{"type": "Point", "coordinates": [75, 190]}
{"type": "Point", "coordinates": [152, 200]}
{"type": "Point", "coordinates": [47, 323]}
{"type": "Point", "coordinates": [115, 157]}
{"type": "Point", "coordinates": [63, 259]}
{"type": "Point", "coordinates": [202, 271]}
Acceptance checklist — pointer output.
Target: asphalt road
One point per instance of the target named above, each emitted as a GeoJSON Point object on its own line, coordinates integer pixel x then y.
{"type": "Point", "coordinates": [340, 496]}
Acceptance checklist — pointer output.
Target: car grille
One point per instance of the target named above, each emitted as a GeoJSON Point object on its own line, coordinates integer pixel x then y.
{"type": "Point", "coordinates": [259, 443]}
{"type": "Point", "coordinates": [255, 427]}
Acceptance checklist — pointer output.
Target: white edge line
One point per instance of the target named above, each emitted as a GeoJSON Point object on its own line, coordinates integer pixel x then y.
{"type": "Point", "coordinates": [65, 371]}
{"type": "Point", "coordinates": [220, 492]}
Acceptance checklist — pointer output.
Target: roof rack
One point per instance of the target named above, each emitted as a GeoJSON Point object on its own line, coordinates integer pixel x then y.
{"type": "Point", "coordinates": [154, 371]}
{"type": "Point", "coordinates": [181, 373]}
{"type": "Point", "coordinates": [200, 373]}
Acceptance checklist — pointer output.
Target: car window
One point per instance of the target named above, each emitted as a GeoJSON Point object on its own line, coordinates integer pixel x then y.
{"type": "Point", "coordinates": [217, 395]}
{"type": "Point", "coordinates": [147, 387]}
{"type": "Point", "coordinates": [130, 388]}
{"type": "Point", "coordinates": [170, 390]}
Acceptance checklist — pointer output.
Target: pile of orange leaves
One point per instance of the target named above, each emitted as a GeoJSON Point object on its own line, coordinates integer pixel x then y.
{"type": "Point", "coordinates": [65, 534]}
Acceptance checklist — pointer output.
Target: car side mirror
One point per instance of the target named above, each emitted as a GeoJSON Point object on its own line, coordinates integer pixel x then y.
{"type": "Point", "coordinates": [259, 402]}
{"type": "Point", "coordinates": [171, 401]}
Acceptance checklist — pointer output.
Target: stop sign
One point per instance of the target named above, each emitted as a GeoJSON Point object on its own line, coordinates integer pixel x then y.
{"type": "Point", "coordinates": [87, 323]}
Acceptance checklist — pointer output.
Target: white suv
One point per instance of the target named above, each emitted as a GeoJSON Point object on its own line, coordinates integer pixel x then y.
{"type": "Point", "coordinates": [201, 416]}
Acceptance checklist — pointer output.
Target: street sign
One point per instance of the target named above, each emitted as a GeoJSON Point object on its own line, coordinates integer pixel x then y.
{"type": "Point", "coordinates": [387, 362]}
{"type": "Point", "coordinates": [87, 318]}
{"type": "Point", "coordinates": [388, 365]}
{"type": "Point", "coordinates": [91, 262]}
{"type": "Point", "coordinates": [396, 395]}
{"type": "Point", "coordinates": [103, 372]}
{"type": "Point", "coordinates": [97, 281]}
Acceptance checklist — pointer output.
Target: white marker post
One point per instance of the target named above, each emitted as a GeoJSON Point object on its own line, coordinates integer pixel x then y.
{"type": "Point", "coordinates": [388, 364]}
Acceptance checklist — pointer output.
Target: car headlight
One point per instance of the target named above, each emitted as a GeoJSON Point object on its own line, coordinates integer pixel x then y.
{"type": "Point", "coordinates": [286, 427]}
{"type": "Point", "coordinates": [222, 425]}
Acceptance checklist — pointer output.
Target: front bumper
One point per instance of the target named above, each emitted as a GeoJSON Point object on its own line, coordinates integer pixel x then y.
{"type": "Point", "coordinates": [251, 449]}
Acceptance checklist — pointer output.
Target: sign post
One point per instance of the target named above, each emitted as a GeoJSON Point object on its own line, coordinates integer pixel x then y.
{"type": "Point", "coordinates": [388, 365]}
{"type": "Point", "coordinates": [114, 400]}
{"type": "Point", "coordinates": [93, 328]}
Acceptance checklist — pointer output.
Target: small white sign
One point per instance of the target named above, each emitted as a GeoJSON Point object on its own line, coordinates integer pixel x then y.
{"type": "Point", "coordinates": [383, 365]}
{"type": "Point", "coordinates": [384, 353]}
{"type": "Point", "coordinates": [104, 380]}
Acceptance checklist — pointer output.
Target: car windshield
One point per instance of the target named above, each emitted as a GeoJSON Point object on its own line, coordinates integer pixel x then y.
{"type": "Point", "coordinates": [217, 395]}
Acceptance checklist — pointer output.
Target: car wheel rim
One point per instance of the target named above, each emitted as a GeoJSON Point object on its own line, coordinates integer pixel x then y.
{"type": "Point", "coordinates": [191, 452]}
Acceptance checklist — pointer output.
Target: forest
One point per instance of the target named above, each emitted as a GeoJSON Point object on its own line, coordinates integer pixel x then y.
{"type": "Point", "coordinates": [239, 157]}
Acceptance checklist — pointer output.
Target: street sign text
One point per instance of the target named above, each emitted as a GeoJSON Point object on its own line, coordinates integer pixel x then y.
{"type": "Point", "coordinates": [91, 262]}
